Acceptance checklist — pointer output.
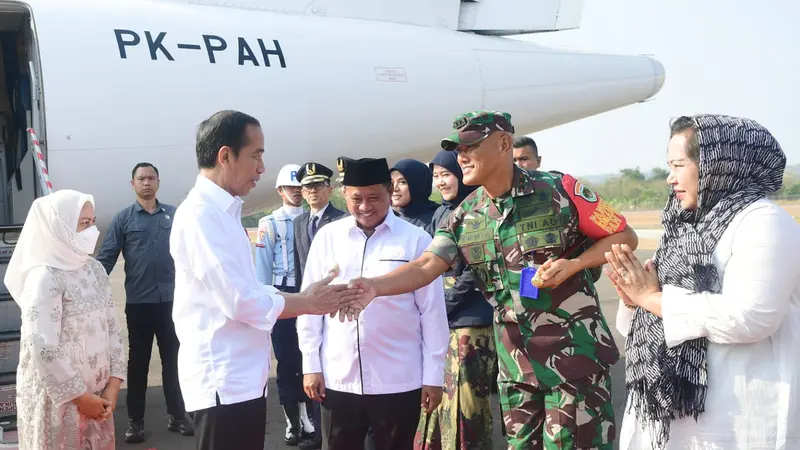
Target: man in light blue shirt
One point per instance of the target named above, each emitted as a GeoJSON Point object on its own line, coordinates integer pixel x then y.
{"type": "Point", "coordinates": [275, 267]}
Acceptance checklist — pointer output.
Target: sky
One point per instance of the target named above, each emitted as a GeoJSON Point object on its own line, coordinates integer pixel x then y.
{"type": "Point", "coordinates": [731, 57]}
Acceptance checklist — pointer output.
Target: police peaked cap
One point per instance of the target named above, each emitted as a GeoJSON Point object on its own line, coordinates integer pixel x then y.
{"type": "Point", "coordinates": [341, 164]}
{"type": "Point", "coordinates": [312, 172]}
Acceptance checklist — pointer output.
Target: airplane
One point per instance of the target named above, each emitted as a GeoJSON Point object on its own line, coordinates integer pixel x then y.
{"type": "Point", "coordinates": [107, 84]}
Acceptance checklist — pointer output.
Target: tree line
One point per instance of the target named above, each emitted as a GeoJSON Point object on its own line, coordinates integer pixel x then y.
{"type": "Point", "coordinates": [632, 189]}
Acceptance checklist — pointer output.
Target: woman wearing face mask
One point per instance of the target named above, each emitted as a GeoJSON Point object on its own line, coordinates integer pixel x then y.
{"type": "Point", "coordinates": [411, 189]}
{"type": "Point", "coordinates": [464, 418]}
{"type": "Point", "coordinates": [71, 362]}
{"type": "Point", "coordinates": [713, 322]}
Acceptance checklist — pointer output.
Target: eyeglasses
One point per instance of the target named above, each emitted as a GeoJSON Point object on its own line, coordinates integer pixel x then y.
{"type": "Point", "coordinates": [315, 186]}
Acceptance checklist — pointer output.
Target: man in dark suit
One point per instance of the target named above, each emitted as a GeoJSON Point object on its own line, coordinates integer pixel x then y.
{"type": "Point", "coordinates": [315, 182]}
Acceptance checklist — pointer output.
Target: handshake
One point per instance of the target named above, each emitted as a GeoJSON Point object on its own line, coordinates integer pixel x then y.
{"type": "Point", "coordinates": [346, 300]}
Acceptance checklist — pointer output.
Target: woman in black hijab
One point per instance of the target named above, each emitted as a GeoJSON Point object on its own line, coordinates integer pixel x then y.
{"type": "Point", "coordinates": [464, 418]}
{"type": "Point", "coordinates": [412, 183]}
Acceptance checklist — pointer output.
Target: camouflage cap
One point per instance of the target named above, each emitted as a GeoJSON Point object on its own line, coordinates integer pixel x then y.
{"type": "Point", "coordinates": [475, 126]}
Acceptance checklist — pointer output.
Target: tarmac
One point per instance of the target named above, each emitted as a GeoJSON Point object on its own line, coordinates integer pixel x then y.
{"type": "Point", "coordinates": [159, 438]}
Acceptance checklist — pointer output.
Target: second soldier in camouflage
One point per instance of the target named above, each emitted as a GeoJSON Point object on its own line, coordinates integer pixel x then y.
{"type": "Point", "coordinates": [554, 346]}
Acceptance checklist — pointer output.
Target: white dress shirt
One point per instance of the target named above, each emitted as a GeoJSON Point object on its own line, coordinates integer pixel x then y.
{"type": "Point", "coordinates": [321, 211]}
{"type": "Point", "coordinates": [223, 316]}
{"type": "Point", "coordinates": [398, 343]}
{"type": "Point", "coordinates": [318, 216]}
{"type": "Point", "coordinates": [753, 329]}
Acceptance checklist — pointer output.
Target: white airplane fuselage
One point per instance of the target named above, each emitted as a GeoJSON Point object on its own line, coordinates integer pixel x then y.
{"type": "Point", "coordinates": [119, 82]}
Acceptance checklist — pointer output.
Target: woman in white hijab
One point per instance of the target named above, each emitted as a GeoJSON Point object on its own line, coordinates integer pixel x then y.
{"type": "Point", "coordinates": [71, 359]}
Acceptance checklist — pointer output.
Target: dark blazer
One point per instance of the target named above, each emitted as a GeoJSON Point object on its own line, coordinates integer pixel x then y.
{"type": "Point", "coordinates": [302, 243]}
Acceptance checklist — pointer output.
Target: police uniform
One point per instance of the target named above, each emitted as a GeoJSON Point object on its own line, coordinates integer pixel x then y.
{"type": "Point", "coordinates": [275, 266]}
{"type": "Point", "coordinates": [554, 346]}
{"type": "Point", "coordinates": [307, 225]}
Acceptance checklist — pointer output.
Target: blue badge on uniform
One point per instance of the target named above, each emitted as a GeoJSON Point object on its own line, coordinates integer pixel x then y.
{"type": "Point", "coordinates": [526, 287]}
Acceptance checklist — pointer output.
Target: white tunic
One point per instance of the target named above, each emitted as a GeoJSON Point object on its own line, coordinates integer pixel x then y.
{"type": "Point", "coordinates": [753, 329]}
{"type": "Point", "coordinates": [70, 344]}
{"type": "Point", "coordinates": [398, 343]}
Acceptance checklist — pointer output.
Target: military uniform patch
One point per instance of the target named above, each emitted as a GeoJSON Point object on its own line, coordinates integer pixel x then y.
{"type": "Point", "coordinates": [583, 191]}
{"type": "Point", "coordinates": [596, 217]}
{"type": "Point", "coordinates": [263, 232]}
{"type": "Point", "coordinates": [476, 252]}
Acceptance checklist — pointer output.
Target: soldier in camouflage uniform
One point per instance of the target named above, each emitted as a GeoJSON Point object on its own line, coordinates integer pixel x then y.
{"type": "Point", "coordinates": [554, 346]}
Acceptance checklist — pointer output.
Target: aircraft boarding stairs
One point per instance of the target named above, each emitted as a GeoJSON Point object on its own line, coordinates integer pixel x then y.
{"type": "Point", "coordinates": [10, 322]}
{"type": "Point", "coordinates": [11, 317]}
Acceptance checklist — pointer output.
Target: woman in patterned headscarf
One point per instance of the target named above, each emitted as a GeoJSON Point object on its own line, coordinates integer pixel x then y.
{"type": "Point", "coordinates": [71, 362]}
{"type": "Point", "coordinates": [713, 322]}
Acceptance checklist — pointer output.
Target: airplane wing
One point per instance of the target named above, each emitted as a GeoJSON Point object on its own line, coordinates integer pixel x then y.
{"type": "Point", "coordinates": [490, 17]}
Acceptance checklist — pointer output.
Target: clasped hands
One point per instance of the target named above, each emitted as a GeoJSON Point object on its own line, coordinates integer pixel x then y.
{"type": "Point", "coordinates": [345, 300]}
{"type": "Point", "coordinates": [635, 283]}
{"type": "Point", "coordinates": [99, 407]}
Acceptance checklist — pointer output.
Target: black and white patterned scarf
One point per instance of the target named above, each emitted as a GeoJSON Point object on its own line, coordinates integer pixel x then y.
{"type": "Point", "coordinates": [740, 162]}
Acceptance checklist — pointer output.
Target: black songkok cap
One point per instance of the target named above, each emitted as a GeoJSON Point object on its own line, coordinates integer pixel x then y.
{"type": "Point", "coordinates": [366, 172]}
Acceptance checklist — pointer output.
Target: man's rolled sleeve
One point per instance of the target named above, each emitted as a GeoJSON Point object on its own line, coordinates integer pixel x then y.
{"type": "Point", "coordinates": [444, 246]}
{"type": "Point", "coordinates": [278, 304]}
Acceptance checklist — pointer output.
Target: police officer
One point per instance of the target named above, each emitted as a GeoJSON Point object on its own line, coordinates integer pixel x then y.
{"type": "Point", "coordinates": [316, 188]}
{"type": "Point", "coordinates": [275, 267]}
{"type": "Point", "coordinates": [518, 233]}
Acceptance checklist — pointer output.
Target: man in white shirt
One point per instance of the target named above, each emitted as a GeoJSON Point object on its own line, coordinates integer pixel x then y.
{"type": "Point", "coordinates": [315, 180]}
{"type": "Point", "coordinates": [223, 316]}
{"type": "Point", "coordinates": [372, 373]}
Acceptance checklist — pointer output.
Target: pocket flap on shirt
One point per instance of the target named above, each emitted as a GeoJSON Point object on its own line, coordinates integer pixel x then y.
{"type": "Point", "coordinates": [394, 255]}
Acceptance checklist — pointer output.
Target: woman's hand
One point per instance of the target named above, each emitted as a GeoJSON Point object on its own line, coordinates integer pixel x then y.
{"type": "Point", "coordinates": [91, 405]}
{"type": "Point", "coordinates": [111, 393]}
{"type": "Point", "coordinates": [635, 281]}
{"type": "Point", "coordinates": [622, 295]}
